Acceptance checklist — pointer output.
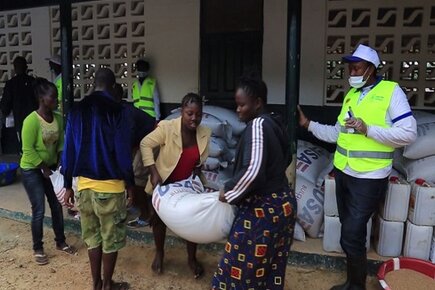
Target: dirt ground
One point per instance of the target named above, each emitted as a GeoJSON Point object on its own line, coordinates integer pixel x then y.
{"type": "Point", "coordinates": [18, 270]}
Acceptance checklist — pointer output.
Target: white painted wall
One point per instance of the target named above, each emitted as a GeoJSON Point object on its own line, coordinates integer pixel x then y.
{"type": "Point", "coordinates": [274, 49]}
{"type": "Point", "coordinates": [172, 45]}
{"type": "Point", "coordinates": [41, 42]}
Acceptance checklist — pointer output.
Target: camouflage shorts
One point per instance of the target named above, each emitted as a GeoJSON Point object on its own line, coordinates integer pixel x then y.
{"type": "Point", "coordinates": [102, 217]}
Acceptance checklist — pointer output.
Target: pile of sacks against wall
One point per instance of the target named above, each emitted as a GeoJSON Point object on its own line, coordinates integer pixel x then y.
{"type": "Point", "coordinates": [312, 165]}
{"type": "Point", "coordinates": [417, 160]}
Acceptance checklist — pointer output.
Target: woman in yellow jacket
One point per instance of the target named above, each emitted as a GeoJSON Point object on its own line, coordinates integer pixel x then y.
{"type": "Point", "coordinates": [183, 145]}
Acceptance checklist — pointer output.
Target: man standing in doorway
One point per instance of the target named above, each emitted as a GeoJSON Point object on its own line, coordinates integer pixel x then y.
{"type": "Point", "coordinates": [56, 69]}
{"type": "Point", "coordinates": [144, 91]}
{"type": "Point", "coordinates": [18, 96]}
{"type": "Point", "coordinates": [98, 151]}
{"type": "Point", "coordinates": [375, 119]}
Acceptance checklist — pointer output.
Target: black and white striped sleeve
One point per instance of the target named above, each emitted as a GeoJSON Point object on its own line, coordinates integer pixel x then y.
{"type": "Point", "coordinates": [246, 178]}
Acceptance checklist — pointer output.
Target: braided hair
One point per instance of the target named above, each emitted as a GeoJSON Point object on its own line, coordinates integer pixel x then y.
{"type": "Point", "coordinates": [192, 98]}
{"type": "Point", "coordinates": [254, 87]}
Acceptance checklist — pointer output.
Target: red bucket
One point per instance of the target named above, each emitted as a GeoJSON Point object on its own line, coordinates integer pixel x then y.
{"type": "Point", "coordinates": [417, 265]}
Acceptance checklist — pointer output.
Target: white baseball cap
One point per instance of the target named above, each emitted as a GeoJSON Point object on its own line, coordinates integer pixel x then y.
{"type": "Point", "coordinates": [363, 53]}
{"type": "Point", "coordinates": [55, 59]}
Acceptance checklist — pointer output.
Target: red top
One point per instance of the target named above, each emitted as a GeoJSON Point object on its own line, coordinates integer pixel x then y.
{"type": "Point", "coordinates": [188, 160]}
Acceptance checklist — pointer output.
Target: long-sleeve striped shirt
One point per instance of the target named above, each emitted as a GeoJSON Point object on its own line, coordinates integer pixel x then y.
{"type": "Point", "coordinates": [261, 160]}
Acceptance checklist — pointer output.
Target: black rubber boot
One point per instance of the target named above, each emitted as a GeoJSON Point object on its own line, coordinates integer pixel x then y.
{"type": "Point", "coordinates": [358, 273]}
{"type": "Point", "coordinates": [346, 284]}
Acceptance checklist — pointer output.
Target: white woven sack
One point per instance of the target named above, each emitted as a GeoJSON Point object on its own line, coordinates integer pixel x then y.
{"type": "Point", "coordinates": [217, 147]}
{"type": "Point", "coordinates": [191, 213]}
{"type": "Point", "coordinates": [424, 145]}
{"type": "Point", "coordinates": [310, 206]}
{"type": "Point", "coordinates": [423, 117]}
{"type": "Point", "coordinates": [218, 127]}
{"type": "Point", "coordinates": [213, 163]}
{"type": "Point", "coordinates": [226, 115]}
{"type": "Point", "coordinates": [299, 233]}
{"type": "Point", "coordinates": [412, 169]}
{"type": "Point", "coordinates": [313, 162]}
{"type": "Point", "coordinates": [216, 180]}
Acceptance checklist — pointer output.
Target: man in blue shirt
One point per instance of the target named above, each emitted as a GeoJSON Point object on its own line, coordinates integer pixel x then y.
{"type": "Point", "coordinates": [98, 152]}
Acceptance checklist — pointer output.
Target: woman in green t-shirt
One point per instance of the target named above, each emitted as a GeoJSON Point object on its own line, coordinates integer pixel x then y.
{"type": "Point", "coordinates": [42, 137]}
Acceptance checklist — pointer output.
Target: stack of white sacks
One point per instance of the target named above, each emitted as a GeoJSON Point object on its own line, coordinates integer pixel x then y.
{"type": "Point", "coordinates": [417, 160]}
{"type": "Point", "coordinates": [226, 130]}
{"type": "Point", "coordinates": [417, 163]}
{"type": "Point", "coordinates": [312, 165]}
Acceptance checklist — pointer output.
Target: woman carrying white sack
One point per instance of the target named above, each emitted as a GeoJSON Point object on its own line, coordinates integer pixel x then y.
{"type": "Point", "coordinates": [183, 145]}
{"type": "Point", "coordinates": [258, 246]}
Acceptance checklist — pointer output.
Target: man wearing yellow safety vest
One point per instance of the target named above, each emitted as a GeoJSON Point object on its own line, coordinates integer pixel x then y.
{"type": "Point", "coordinates": [375, 119]}
{"type": "Point", "coordinates": [144, 91]}
{"type": "Point", "coordinates": [56, 69]}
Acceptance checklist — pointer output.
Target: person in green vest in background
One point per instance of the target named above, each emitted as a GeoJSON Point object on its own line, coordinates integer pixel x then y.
{"type": "Point", "coordinates": [144, 91]}
{"type": "Point", "coordinates": [56, 69]}
{"type": "Point", "coordinates": [375, 119]}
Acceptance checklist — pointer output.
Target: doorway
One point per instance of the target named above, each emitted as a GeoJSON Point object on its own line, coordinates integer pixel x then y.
{"type": "Point", "coordinates": [231, 44]}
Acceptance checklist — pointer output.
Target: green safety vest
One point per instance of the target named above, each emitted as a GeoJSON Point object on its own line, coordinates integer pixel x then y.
{"type": "Point", "coordinates": [58, 84]}
{"type": "Point", "coordinates": [360, 153]}
{"type": "Point", "coordinates": [143, 95]}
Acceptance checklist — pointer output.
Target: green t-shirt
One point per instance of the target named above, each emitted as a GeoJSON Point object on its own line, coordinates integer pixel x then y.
{"type": "Point", "coordinates": [42, 141]}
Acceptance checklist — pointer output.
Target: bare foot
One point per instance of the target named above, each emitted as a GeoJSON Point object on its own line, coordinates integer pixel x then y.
{"type": "Point", "coordinates": [196, 268]}
{"type": "Point", "coordinates": [157, 265]}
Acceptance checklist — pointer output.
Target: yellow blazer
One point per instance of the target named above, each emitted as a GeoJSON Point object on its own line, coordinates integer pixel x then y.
{"type": "Point", "coordinates": [167, 137]}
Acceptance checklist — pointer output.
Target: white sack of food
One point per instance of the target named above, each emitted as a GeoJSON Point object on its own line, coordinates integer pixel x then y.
{"type": "Point", "coordinates": [218, 127]}
{"type": "Point", "coordinates": [213, 163]}
{"type": "Point", "coordinates": [412, 169]}
{"type": "Point", "coordinates": [192, 214]}
{"type": "Point", "coordinates": [423, 117]}
{"type": "Point", "coordinates": [310, 206]}
{"type": "Point", "coordinates": [217, 147]}
{"type": "Point", "coordinates": [230, 155]}
{"type": "Point", "coordinates": [216, 179]}
{"type": "Point", "coordinates": [226, 115]}
{"type": "Point", "coordinates": [424, 145]}
{"type": "Point", "coordinates": [299, 233]}
{"type": "Point", "coordinates": [313, 162]}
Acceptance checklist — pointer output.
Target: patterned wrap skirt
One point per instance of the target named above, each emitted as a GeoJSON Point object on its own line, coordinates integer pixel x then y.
{"type": "Point", "coordinates": [255, 256]}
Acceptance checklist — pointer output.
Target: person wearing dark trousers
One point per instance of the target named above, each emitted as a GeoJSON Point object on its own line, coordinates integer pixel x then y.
{"type": "Point", "coordinates": [375, 119]}
{"type": "Point", "coordinates": [141, 124]}
{"type": "Point", "coordinates": [98, 152]}
{"type": "Point", "coordinates": [18, 96]}
{"type": "Point", "coordinates": [42, 137]}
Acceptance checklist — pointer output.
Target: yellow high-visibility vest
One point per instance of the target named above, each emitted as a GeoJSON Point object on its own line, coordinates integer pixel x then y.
{"type": "Point", "coordinates": [58, 84]}
{"type": "Point", "coordinates": [143, 95]}
{"type": "Point", "coordinates": [360, 153]}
